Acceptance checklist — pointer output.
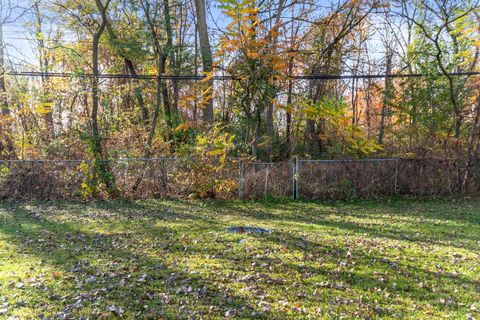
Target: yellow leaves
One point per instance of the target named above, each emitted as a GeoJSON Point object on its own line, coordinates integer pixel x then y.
{"type": "Point", "coordinates": [202, 141]}
{"type": "Point", "coordinates": [208, 77]}
{"type": "Point", "coordinates": [476, 43]}
{"type": "Point", "coordinates": [215, 144]}
{"type": "Point", "coordinates": [44, 108]}
{"type": "Point", "coordinates": [332, 112]}
{"type": "Point", "coordinates": [230, 14]}
{"type": "Point", "coordinates": [359, 143]}
{"type": "Point", "coordinates": [215, 152]}
{"type": "Point", "coordinates": [251, 11]}
{"type": "Point", "coordinates": [311, 111]}
{"type": "Point", "coordinates": [206, 93]}
{"type": "Point", "coordinates": [200, 92]}
{"type": "Point", "coordinates": [152, 70]}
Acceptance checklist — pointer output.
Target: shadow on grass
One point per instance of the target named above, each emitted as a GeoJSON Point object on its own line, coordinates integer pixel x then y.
{"type": "Point", "coordinates": [419, 228]}
{"type": "Point", "coordinates": [123, 277]}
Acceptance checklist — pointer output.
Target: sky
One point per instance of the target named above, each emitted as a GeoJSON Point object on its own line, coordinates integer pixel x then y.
{"type": "Point", "coordinates": [16, 34]}
{"type": "Point", "coordinates": [22, 58]}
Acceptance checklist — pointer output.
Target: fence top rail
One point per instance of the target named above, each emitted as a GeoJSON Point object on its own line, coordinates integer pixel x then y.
{"type": "Point", "coordinates": [268, 163]}
{"type": "Point", "coordinates": [350, 160]}
{"type": "Point", "coordinates": [231, 159]}
{"type": "Point", "coordinates": [41, 161]}
{"type": "Point", "coordinates": [85, 160]}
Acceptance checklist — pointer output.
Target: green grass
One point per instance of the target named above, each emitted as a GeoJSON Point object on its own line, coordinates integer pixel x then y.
{"type": "Point", "coordinates": [174, 259]}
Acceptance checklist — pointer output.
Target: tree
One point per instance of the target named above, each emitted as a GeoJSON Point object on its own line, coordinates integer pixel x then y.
{"type": "Point", "coordinates": [9, 13]}
{"type": "Point", "coordinates": [101, 165]}
{"type": "Point", "coordinates": [329, 36]}
{"type": "Point", "coordinates": [46, 100]}
{"type": "Point", "coordinates": [207, 58]}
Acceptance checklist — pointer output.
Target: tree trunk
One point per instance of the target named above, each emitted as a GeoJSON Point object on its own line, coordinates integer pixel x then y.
{"type": "Point", "coordinates": [101, 166]}
{"type": "Point", "coordinates": [162, 89]}
{"type": "Point", "coordinates": [288, 112]}
{"type": "Point", "coordinates": [95, 80]}
{"type": "Point", "coordinates": [472, 150]}
{"type": "Point", "coordinates": [130, 69]}
{"type": "Point", "coordinates": [313, 130]}
{"type": "Point", "coordinates": [44, 63]}
{"type": "Point", "coordinates": [206, 52]}
{"type": "Point", "coordinates": [159, 95]}
{"type": "Point", "coordinates": [386, 97]}
{"type": "Point", "coordinates": [156, 112]}
{"type": "Point", "coordinates": [269, 110]}
{"type": "Point", "coordinates": [170, 54]}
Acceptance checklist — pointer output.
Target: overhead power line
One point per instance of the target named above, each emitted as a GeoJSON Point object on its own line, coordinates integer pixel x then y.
{"type": "Point", "coordinates": [227, 77]}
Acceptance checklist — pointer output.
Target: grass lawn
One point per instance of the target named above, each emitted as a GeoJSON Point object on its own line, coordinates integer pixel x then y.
{"type": "Point", "coordinates": [157, 259]}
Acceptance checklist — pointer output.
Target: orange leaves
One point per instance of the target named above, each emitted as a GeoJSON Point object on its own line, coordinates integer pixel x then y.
{"type": "Point", "coordinates": [184, 127]}
{"type": "Point", "coordinates": [6, 119]}
{"type": "Point", "coordinates": [253, 54]}
{"type": "Point", "coordinates": [244, 32]}
{"type": "Point", "coordinates": [200, 94]}
{"type": "Point", "coordinates": [207, 89]}
{"type": "Point", "coordinates": [249, 38]}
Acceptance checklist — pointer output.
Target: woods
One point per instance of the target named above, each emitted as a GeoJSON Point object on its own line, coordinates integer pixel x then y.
{"type": "Point", "coordinates": [345, 79]}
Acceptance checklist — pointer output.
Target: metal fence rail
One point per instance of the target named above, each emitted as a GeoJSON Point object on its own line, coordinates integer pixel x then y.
{"type": "Point", "coordinates": [184, 177]}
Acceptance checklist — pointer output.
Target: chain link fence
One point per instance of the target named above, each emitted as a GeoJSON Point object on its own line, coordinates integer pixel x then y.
{"type": "Point", "coordinates": [207, 178]}
{"type": "Point", "coordinates": [259, 180]}
{"type": "Point", "coordinates": [338, 179]}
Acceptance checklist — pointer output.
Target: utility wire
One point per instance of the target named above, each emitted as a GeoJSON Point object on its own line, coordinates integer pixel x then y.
{"type": "Point", "coordinates": [222, 77]}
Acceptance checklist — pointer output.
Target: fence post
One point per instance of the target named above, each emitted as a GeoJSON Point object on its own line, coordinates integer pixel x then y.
{"type": "Point", "coordinates": [297, 178]}
{"type": "Point", "coordinates": [293, 180]}
{"type": "Point", "coordinates": [240, 180]}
